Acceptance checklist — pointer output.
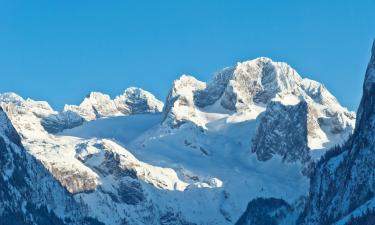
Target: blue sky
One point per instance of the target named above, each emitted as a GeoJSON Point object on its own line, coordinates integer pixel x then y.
{"type": "Point", "coordinates": [60, 50]}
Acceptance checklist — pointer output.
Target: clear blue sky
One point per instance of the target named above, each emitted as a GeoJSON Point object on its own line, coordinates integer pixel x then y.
{"type": "Point", "coordinates": [60, 50]}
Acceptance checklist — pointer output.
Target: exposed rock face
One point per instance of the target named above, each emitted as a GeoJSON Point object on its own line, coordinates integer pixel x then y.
{"type": "Point", "coordinates": [252, 82]}
{"type": "Point", "coordinates": [109, 159]}
{"type": "Point", "coordinates": [265, 212]}
{"type": "Point", "coordinates": [272, 138]}
{"type": "Point", "coordinates": [215, 89]}
{"type": "Point", "coordinates": [179, 106]}
{"type": "Point", "coordinates": [73, 180]}
{"type": "Point", "coordinates": [137, 101]}
{"type": "Point", "coordinates": [66, 119]}
{"type": "Point", "coordinates": [124, 184]}
{"type": "Point", "coordinates": [343, 185]}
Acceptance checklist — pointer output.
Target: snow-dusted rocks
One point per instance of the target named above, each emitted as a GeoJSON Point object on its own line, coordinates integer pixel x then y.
{"type": "Point", "coordinates": [98, 105]}
{"type": "Point", "coordinates": [94, 106]}
{"type": "Point", "coordinates": [26, 115]}
{"type": "Point", "coordinates": [137, 101]}
{"type": "Point", "coordinates": [110, 159]}
{"type": "Point", "coordinates": [251, 82]}
{"type": "Point", "coordinates": [133, 101]}
{"type": "Point", "coordinates": [66, 119]}
{"type": "Point", "coordinates": [180, 106]}
{"type": "Point", "coordinates": [283, 130]}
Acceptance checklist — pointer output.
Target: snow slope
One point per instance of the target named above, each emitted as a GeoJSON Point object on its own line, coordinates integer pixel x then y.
{"type": "Point", "coordinates": [121, 128]}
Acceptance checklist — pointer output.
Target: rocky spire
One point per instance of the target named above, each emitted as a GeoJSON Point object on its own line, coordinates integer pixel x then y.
{"type": "Point", "coordinates": [366, 109]}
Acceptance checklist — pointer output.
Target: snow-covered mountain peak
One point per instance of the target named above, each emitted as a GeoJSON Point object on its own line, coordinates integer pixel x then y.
{"type": "Point", "coordinates": [180, 105]}
{"type": "Point", "coordinates": [259, 80]}
{"type": "Point", "coordinates": [135, 92]}
{"type": "Point", "coordinates": [10, 97]}
{"type": "Point", "coordinates": [132, 101]}
{"type": "Point", "coordinates": [243, 92]}
{"type": "Point", "coordinates": [136, 101]}
{"type": "Point", "coordinates": [266, 69]}
{"type": "Point", "coordinates": [98, 105]}
{"type": "Point", "coordinates": [13, 103]}
{"type": "Point", "coordinates": [97, 96]}
{"type": "Point", "coordinates": [251, 82]}
{"type": "Point", "coordinates": [95, 105]}
{"type": "Point", "coordinates": [187, 82]}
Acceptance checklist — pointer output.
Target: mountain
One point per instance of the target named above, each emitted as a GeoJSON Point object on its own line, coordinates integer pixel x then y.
{"type": "Point", "coordinates": [251, 133]}
{"type": "Point", "coordinates": [350, 166]}
{"type": "Point", "coordinates": [97, 105]}
{"type": "Point", "coordinates": [342, 186]}
{"type": "Point", "coordinates": [28, 193]}
{"type": "Point", "coordinates": [266, 89]}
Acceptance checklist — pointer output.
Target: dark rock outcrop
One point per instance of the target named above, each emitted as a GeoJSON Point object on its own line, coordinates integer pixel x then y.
{"type": "Point", "coordinates": [262, 211]}
{"type": "Point", "coordinates": [272, 139]}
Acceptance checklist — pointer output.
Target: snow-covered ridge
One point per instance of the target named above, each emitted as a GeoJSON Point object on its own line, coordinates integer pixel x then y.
{"type": "Point", "coordinates": [98, 105]}
{"type": "Point", "coordinates": [11, 98]}
{"type": "Point", "coordinates": [132, 101]}
{"type": "Point", "coordinates": [95, 105]}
